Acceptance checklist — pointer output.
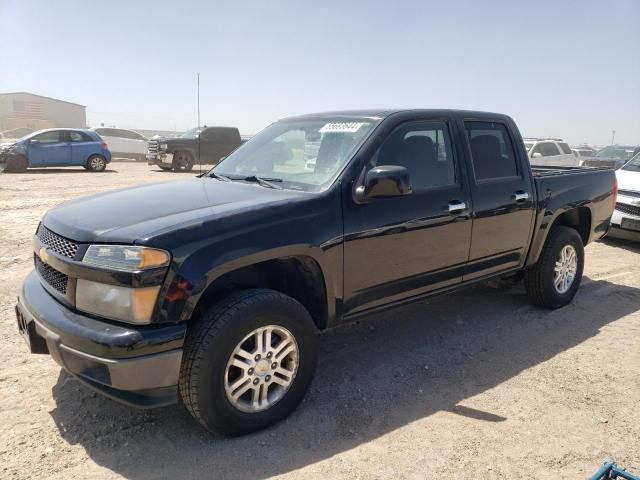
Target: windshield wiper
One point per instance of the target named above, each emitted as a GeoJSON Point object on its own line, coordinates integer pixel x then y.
{"type": "Point", "coordinates": [217, 176]}
{"type": "Point", "coordinates": [264, 181]}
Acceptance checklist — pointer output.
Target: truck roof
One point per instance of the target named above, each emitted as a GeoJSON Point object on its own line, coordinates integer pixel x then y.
{"type": "Point", "coordinates": [385, 112]}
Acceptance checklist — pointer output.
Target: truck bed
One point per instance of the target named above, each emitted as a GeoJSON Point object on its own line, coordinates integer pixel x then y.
{"type": "Point", "coordinates": [548, 171]}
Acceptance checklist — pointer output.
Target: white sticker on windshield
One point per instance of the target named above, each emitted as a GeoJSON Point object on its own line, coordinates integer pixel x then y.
{"type": "Point", "coordinates": [342, 127]}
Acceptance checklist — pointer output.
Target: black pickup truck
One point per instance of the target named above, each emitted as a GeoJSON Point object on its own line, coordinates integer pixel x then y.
{"type": "Point", "coordinates": [218, 299]}
{"type": "Point", "coordinates": [198, 145]}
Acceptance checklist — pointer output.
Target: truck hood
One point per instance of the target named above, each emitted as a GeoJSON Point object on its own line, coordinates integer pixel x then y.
{"type": "Point", "coordinates": [137, 213]}
{"type": "Point", "coordinates": [628, 180]}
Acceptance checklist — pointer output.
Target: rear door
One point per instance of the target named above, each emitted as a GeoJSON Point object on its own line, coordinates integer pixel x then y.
{"type": "Point", "coordinates": [82, 147]}
{"type": "Point", "coordinates": [210, 147]}
{"type": "Point", "coordinates": [501, 189]}
{"type": "Point", "coordinates": [229, 139]}
{"type": "Point", "coordinates": [49, 148]}
{"type": "Point", "coordinates": [396, 248]}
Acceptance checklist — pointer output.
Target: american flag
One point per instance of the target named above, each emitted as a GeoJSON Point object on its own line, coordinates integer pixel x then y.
{"type": "Point", "coordinates": [22, 109]}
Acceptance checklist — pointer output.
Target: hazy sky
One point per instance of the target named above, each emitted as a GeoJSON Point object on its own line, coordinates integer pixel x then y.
{"type": "Point", "coordinates": [560, 68]}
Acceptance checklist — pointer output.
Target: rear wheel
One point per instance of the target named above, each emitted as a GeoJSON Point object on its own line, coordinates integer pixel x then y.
{"type": "Point", "coordinates": [248, 362]}
{"type": "Point", "coordinates": [96, 163]}
{"type": "Point", "coordinates": [555, 279]}
{"type": "Point", "coordinates": [182, 162]}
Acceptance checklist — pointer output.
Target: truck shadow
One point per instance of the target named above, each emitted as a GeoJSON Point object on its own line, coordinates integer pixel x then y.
{"type": "Point", "coordinates": [373, 377]}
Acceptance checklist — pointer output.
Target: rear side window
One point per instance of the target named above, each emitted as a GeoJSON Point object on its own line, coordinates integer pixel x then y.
{"type": "Point", "coordinates": [228, 135]}
{"type": "Point", "coordinates": [546, 149]}
{"type": "Point", "coordinates": [80, 137]}
{"type": "Point", "coordinates": [565, 148]}
{"type": "Point", "coordinates": [491, 150]}
{"type": "Point", "coordinates": [210, 135]}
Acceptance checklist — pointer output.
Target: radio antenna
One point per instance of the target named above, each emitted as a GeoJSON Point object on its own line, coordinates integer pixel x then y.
{"type": "Point", "coordinates": [198, 130]}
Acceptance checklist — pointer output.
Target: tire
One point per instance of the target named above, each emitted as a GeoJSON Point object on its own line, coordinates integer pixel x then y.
{"type": "Point", "coordinates": [96, 163]}
{"type": "Point", "coordinates": [182, 161]}
{"type": "Point", "coordinates": [207, 374]}
{"type": "Point", "coordinates": [17, 164]}
{"type": "Point", "coordinates": [540, 280]}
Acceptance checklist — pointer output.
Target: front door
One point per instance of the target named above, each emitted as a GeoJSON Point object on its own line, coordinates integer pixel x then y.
{"type": "Point", "coordinates": [400, 247]}
{"type": "Point", "coordinates": [49, 148]}
{"type": "Point", "coordinates": [503, 207]}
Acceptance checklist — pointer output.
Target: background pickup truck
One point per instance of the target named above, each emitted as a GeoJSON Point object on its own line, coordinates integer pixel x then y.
{"type": "Point", "coordinates": [217, 299]}
{"type": "Point", "coordinates": [205, 145]}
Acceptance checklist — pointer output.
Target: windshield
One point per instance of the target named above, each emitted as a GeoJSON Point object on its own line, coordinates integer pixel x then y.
{"type": "Point", "coordinates": [303, 154]}
{"type": "Point", "coordinates": [192, 132]}
{"type": "Point", "coordinates": [633, 165]}
{"type": "Point", "coordinates": [623, 153]}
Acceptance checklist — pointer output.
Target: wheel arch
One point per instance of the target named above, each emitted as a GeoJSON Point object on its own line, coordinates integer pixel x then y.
{"type": "Point", "coordinates": [579, 218]}
{"type": "Point", "coordinates": [299, 276]}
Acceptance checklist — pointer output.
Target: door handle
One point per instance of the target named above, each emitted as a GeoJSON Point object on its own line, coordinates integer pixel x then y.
{"type": "Point", "coordinates": [520, 196]}
{"type": "Point", "coordinates": [457, 206]}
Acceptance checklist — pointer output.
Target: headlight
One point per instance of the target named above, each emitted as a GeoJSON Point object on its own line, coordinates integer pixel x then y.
{"type": "Point", "coordinates": [133, 305]}
{"type": "Point", "coordinates": [126, 258]}
{"type": "Point", "coordinates": [163, 146]}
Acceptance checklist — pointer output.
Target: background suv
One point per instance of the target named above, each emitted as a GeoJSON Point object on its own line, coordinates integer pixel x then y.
{"type": "Point", "coordinates": [550, 151]}
{"type": "Point", "coordinates": [124, 143]}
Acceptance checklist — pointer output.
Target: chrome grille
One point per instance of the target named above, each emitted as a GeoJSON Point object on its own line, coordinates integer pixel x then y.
{"type": "Point", "coordinates": [629, 193]}
{"type": "Point", "coordinates": [53, 277]}
{"type": "Point", "coordinates": [153, 146]}
{"type": "Point", "coordinates": [56, 243]}
{"type": "Point", "coordinates": [628, 209]}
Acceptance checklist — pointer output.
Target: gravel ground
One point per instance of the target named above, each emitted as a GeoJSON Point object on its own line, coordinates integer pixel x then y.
{"type": "Point", "coordinates": [478, 384]}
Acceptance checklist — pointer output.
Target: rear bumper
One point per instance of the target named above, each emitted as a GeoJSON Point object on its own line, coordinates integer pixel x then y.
{"type": "Point", "coordinates": [138, 366]}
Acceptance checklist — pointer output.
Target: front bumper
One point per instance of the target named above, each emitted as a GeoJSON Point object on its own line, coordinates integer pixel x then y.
{"type": "Point", "coordinates": [162, 159]}
{"type": "Point", "coordinates": [620, 222]}
{"type": "Point", "coordinates": [139, 366]}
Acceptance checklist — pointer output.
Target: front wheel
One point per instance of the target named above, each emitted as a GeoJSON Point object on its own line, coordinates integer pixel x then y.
{"type": "Point", "coordinates": [182, 162]}
{"type": "Point", "coordinates": [17, 164]}
{"type": "Point", "coordinates": [555, 279]}
{"type": "Point", "coordinates": [248, 361]}
{"type": "Point", "coordinates": [96, 163]}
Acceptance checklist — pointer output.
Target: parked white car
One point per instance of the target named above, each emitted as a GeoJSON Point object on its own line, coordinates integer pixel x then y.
{"type": "Point", "coordinates": [124, 143]}
{"type": "Point", "coordinates": [625, 222]}
{"type": "Point", "coordinates": [581, 153]}
{"type": "Point", "coordinates": [550, 152]}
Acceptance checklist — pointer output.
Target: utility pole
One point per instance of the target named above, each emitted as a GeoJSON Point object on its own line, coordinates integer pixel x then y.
{"type": "Point", "coordinates": [613, 136]}
{"type": "Point", "coordinates": [198, 130]}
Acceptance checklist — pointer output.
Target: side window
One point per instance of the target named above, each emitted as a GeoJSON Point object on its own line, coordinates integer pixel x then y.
{"type": "Point", "coordinates": [491, 150]}
{"type": "Point", "coordinates": [546, 149]}
{"type": "Point", "coordinates": [565, 148]}
{"type": "Point", "coordinates": [424, 149]}
{"type": "Point", "coordinates": [79, 137]}
{"type": "Point", "coordinates": [228, 135]}
{"type": "Point", "coordinates": [209, 135]}
{"type": "Point", "coordinates": [48, 137]}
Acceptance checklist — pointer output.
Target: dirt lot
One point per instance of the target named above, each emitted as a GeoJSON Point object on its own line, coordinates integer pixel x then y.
{"type": "Point", "coordinates": [478, 384]}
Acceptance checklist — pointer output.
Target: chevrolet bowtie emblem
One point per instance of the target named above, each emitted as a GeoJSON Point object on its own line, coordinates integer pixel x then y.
{"type": "Point", "coordinates": [44, 255]}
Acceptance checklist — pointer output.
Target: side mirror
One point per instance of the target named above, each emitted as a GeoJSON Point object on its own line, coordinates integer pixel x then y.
{"type": "Point", "coordinates": [384, 181]}
{"type": "Point", "coordinates": [536, 155]}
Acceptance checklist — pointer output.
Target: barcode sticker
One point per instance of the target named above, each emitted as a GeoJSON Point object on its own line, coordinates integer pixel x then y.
{"type": "Point", "coordinates": [345, 127]}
